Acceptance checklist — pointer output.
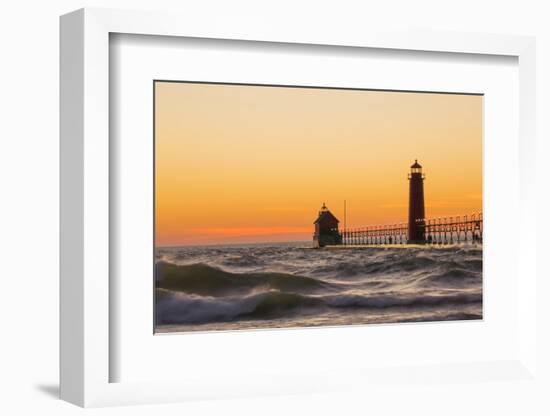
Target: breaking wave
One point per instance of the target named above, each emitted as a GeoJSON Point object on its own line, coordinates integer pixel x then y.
{"type": "Point", "coordinates": [181, 308]}
{"type": "Point", "coordinates": [202, 279]}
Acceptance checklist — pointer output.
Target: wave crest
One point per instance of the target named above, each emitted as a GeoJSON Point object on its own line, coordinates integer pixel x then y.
{"type": "Point", "coordinates": [201, 279]}
{"type": "Point", "coordinates": [188, 309]}
{"type": "Point", "coordinates": [181, 308]}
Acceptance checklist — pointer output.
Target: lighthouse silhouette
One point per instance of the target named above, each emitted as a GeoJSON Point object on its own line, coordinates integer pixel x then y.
{"type": "Point", "coordinates": [416, 232]}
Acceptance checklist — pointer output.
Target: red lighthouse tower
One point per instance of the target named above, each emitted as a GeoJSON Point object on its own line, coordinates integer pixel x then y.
{"type": "Point", "coordinates": [416, 205]}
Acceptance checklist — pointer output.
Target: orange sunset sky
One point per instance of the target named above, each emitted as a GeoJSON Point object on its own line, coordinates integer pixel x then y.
{"type": "Point", "coordinates": [240, 164]}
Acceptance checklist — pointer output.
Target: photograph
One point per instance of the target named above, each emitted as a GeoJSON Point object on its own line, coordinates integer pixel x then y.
{"type": "Point", "coordinates": [283, 206]}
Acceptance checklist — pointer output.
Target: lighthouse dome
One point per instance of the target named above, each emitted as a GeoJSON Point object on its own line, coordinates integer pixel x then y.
{"type": "Point", "coordinates": [416, 165]}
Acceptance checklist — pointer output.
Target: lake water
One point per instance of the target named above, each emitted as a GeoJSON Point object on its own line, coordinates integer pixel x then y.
{"type": "Point", "coordinates": [292, 285]}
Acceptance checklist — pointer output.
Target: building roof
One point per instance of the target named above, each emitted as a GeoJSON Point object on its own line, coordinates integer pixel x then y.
{"type": "Point", "coordinates": [324, 215]}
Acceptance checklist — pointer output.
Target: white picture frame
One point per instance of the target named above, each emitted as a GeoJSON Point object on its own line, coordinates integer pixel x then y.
{"type": "Point", "coordinates": [85, 211]}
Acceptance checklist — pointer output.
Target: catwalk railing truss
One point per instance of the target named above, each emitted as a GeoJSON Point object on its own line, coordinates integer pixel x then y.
{"type": "Point", "coordinates": [444, 230]}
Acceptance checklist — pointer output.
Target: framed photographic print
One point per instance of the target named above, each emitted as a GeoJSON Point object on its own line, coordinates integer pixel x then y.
{"type": "Point", "coordinates": [259, 211]}
{"type": "Point", "coordinates": [238, 241]}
